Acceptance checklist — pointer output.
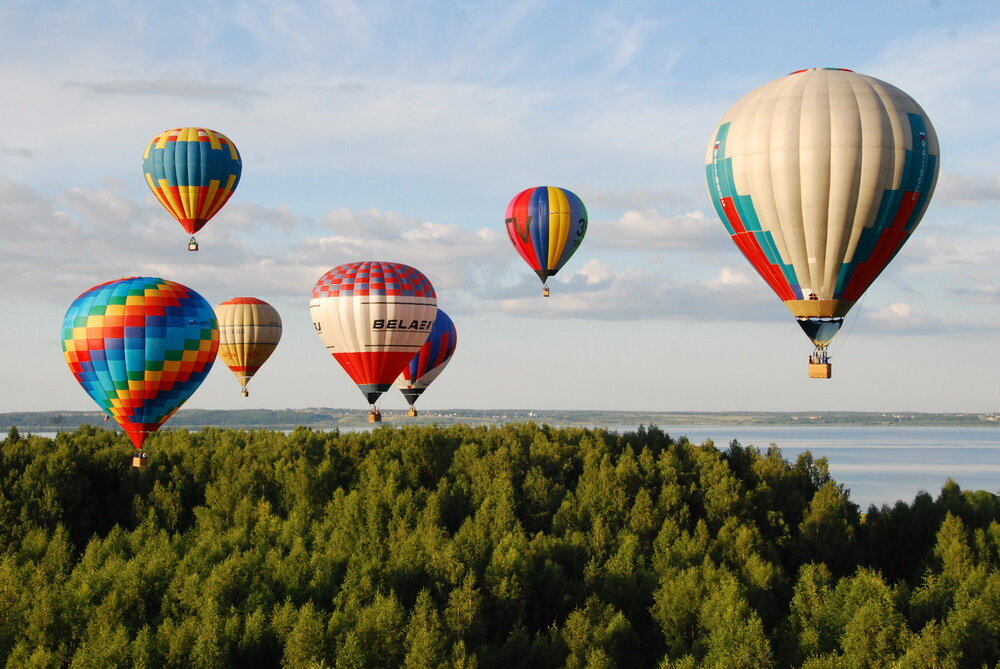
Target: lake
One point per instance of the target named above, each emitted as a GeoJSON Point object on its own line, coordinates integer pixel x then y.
{"type": "Point", "coordinates": [879, 465]}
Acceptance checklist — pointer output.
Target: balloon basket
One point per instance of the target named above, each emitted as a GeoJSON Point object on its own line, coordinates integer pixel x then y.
{"type": "Point", "coordinates": [412, 413]}
{"type": "Point", "coordinates": [375, 416]}
{"type": "Point", "coordinates": [545, 291]}
{"type": "Point", "coordinates": [246, 393]}
{"type": "Point", "coordinates": [820, 370]}
{"type": "Point", "coordinates": [192, 244]}
{"type": "Point", "coordinates": [140, 461]}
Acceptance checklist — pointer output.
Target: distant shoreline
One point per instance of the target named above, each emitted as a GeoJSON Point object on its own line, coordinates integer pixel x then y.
{"type": "Point", "coordinates": [328, 419]}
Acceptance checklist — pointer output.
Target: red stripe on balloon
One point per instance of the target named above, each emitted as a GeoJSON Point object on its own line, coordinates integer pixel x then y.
{"type": "Point", "coordinates": [517, 227]}
{"type": "Point", "coordinates": [747, 244]}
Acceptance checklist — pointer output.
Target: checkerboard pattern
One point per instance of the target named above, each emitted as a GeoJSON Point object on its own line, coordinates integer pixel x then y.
{"type": "Point", "coordinates": [373, 278]}
{"type": "Point", "coordinates": [140, 346]}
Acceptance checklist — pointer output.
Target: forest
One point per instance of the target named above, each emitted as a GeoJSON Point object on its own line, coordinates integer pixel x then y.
{"type": "Point", "coordinates": [521, 545]}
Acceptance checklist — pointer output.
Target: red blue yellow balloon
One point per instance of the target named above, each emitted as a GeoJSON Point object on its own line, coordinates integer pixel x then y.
{"type": "Point", "coordinates": [546, 226]}
{"type": "Point", "coordinates": [140, 346]}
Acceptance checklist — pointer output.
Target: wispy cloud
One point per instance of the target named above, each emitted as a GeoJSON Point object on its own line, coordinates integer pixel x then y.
{"type": "Point", "coordinates": [644, 198]}
{"type": "Point", "coordinates": [174, 88]}
{"type": "Point", "coordinates": [965, 190]}
{"type": "Point", "coordinates": [18, 152]}
{"type": "Point", "coordinates": [901, 318]}
{"type": "Point", "coordinates": [92, 235]}
{"type": "Point", "coordinates": [647, 230]}
{"type": "Point", "coordinates": [600, 292]}
{"type": "Point", "coordinates": [980, 295]}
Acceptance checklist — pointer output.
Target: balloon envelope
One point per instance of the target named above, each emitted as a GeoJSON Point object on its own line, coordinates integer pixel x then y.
{"type": "Point", "coordinates": [546, 225]}
{"type": "Point", "coordinates": [192, 172]}
{"type": "Point", "coordinates": [431, 360]}
{"type": "Point", "coordinates": [820, 177]}
{"type": "Point", "coordinates": [373, 317]}
{"type": "Point", "coordinates": [140, 346]}
{"type": "Point", "coordinates": [249, 331]}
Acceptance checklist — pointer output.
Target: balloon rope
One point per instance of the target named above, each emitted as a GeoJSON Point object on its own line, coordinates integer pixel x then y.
{"type": "Point", "coordinates": [857, 314]}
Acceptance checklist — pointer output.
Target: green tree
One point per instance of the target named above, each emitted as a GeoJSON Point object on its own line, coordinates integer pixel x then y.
{"type": "Point", "coordinates": [426, 640]}
{"type": "Point", "coordinates": [828, 530]}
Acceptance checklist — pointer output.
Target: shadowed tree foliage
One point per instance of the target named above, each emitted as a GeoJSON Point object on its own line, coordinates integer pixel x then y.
{"type": "Point", "coordinates": [477, 547]}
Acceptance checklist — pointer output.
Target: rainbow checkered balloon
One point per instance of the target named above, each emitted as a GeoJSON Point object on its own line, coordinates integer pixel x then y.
{"type": "Point", "coordinates": [140, 347]}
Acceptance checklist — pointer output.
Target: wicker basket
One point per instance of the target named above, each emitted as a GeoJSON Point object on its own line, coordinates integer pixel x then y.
{"type": "Point", "coordinates": [820, 370]}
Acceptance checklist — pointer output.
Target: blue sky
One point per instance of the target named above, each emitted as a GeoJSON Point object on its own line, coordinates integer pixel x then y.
{"type": "Point", "coordinates": [399, 131]}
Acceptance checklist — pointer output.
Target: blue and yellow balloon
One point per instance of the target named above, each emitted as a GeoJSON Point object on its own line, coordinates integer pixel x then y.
{"type": "Point", "coordinates": [192, 172]}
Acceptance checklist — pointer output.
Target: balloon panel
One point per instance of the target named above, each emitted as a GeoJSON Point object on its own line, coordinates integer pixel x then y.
{"type": "Point", "coordinates": [819, 178]}
{"type": "Point", "coordinates": [193, 173]}
{"type": "Point", "coordinates": [546, 225]}
{"type": "Point", "coordinates": [821, 330]}
{"type": "Point", "coordinates": [373, 317]}
{"type": "Point", "coordinates": [249, 331]}
{"type": "Point", "coordinates": [140, 346]}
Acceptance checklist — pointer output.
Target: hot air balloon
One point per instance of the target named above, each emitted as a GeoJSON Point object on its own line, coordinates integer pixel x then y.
{"type": "Point", "coordinates": [820, 177]}
{"type": "Point", "coordinates": [373, 317]}
{"type": "Point", "coordinates": [140, 346]}
{"type": "Point", "coordinates": [546, 225]}
{"type": "Point", "coordinates": [249, 331]}
{"type": "Point", "coordinates": [192, 172]}
{"type": "Point", "coordinates": [430, 361]}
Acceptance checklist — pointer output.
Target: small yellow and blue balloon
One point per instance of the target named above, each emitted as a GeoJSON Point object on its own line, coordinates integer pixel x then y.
{"type": "Point", "coordinates": [140, 347]}
{"type": "Point", "coordinates": [192, 172]}
{"type": "Point", "coordinates": [546, 225]}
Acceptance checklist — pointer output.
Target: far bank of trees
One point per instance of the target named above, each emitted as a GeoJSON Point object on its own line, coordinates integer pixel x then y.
{"type": "Point", "coordinates": [517, 546]}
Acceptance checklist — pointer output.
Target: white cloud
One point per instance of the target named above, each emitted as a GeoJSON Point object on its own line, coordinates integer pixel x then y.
{"type": "Point", "coordinates": [597, 271]}
{"type": "Point", "coordinates": [934, 66]}
{"type": "Point", "coordinates": [173, 88]}
{"type": "Point", "coordinates": [730, 277]}
{"type": "Point", "coordinates": [90, 235]}
{"type": "Point", "coordinates": [964, 190]}
{"type": "Point", "coordinates": [979, 295]}
{"type": "Point", "coordinates": [600, 292]}
{"type": "Point", "coordinates": [642, 198]}
{"type": "Point", "coordinates": [952, 258]}
{"type": "Point", "coordinates": [622, 40]}
{"type": "Point", "coordinates": [902, 316]}
{"type": "Point", "coordinates": [647, 230]}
